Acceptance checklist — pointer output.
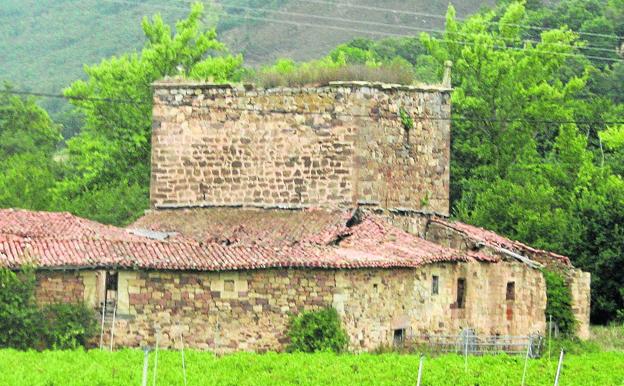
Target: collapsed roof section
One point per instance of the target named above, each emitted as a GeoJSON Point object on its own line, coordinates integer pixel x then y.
{"type": "Point", "coordinates": [462, 236]}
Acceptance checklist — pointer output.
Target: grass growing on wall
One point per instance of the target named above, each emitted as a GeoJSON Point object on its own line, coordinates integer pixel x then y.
{"type": "Point", "coordinates": [125, 368]}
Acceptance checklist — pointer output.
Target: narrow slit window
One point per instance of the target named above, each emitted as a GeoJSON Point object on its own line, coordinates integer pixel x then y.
{"type": "Point", "coordinates": [435, 285]}
{"type": "Point", "coordinates": [511, 290]}
{"type": "Point", "coordinates": [461, 293]}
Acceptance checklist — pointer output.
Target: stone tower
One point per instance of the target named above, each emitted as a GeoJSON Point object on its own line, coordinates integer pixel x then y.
{"type": "Point", "coordinates": [342, 145]}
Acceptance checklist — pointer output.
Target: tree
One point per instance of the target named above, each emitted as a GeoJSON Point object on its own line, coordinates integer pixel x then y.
{"type": "Point", "coordinates": [28, 139]}
{"type": "Point", "coordinates": [26, 181]}
{"type": "Point", "coordinates": [111, 156]}
{"type": "Point", "coordinates": [520, 164]}
{"type": "Point", "coordinates": [24, 126]}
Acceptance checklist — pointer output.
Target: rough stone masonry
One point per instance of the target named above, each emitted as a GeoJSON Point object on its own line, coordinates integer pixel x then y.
{"type": "Point", "coordinates": [339, 145]}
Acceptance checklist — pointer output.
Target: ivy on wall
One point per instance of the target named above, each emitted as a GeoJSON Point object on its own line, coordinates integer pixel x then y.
{"type": "Point", "coordinates": [559, 303]}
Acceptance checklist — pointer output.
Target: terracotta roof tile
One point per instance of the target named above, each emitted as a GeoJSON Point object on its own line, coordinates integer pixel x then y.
{"type": "Point", "coordinates": [313, 239]}
{"type": "Point", "coordinates": [247, 226]}
{"type": "Point", "coordinates": [57, 225]}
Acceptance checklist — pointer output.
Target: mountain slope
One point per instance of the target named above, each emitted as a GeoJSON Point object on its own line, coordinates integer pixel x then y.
{"type": "Point", "coordinates": [44, 44]}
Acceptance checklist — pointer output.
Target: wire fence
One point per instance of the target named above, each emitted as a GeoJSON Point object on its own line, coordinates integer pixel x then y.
{"type": "Point", "coordinates": [468, 343]}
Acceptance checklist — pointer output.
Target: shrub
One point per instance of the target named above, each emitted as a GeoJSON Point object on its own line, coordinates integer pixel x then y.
{"type": "Point", "coordinates": [19, 318]}
{"type": "Point", "coordinates": [314, 331]}
{"type": "Point", "coordinates": [24, 325]}
{"type": "Point", "coordinates": [67, 326]}
{"type": "Point", "coordinates": [559, 303]}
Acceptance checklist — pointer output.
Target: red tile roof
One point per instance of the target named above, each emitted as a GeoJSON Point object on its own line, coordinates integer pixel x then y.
{"type": "Point", "coordinates": [72, 242]}
{"type": "Point", "coordinates": [243, 226]}
{"type": "Point", "coordinates": [54, 225]}
{"type": "Point", "coordinates": [495, 240]}
{"type": "Point", "coordinates": [376, 236]}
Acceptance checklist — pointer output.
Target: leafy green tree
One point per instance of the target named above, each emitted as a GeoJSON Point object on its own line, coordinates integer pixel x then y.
{"type": "Point", "coordinates": [559, 303]}
{"type": "Point", "coordinates": [26, 181]}
{"type": "Point", "coordinates": [521, 166]}
{"type": "Point", "coordinates": [111, 156]}
{"type": "Point", "coordinates": [24, 126]}
{"type": "Point", "coordinates": [25, 325]}
{"type": "Point", "coordinates": [28, 139]}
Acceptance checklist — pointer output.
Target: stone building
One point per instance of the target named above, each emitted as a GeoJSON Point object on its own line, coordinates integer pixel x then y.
{"type": "Point", "coordinates": [269, 202]}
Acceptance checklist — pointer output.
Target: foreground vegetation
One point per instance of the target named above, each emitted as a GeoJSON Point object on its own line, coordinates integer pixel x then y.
{"type": "Point", "coordinates": [27, 325]}
{"type": "Point", "coordinates": [538, 136]}
{"type": "Point", "coordinates": [125, 368]}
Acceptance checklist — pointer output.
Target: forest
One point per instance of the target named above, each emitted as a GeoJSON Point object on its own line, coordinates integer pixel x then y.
{"type": "Point", "coordinates": [537, 126]}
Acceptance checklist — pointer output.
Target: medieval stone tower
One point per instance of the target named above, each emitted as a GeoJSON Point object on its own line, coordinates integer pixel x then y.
{"type": "Point", "coordinates": [342, 145]}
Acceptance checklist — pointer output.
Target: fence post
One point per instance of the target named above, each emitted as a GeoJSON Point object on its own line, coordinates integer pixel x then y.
{"type": "Point", "coordinates": [526, 360]}
{"type": "Point", "coordinates": [465, 352]}
{"type": "Point", "coordinates": [559, 368]}
{"type": "Point", "coordinates": [420, 367]}
{"type": "Point", "coordinates": [145, 365]}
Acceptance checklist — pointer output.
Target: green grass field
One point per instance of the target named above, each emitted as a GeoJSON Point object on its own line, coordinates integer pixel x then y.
{"type": "Point", "coordinates": [125, 368]}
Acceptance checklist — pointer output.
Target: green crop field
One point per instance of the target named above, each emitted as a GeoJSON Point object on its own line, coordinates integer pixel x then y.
{"type": "Point", "coordinates": [125, 368]}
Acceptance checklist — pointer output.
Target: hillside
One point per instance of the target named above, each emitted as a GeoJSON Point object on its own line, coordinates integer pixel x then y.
{"type": "Point", "coordinates": [44, 44]}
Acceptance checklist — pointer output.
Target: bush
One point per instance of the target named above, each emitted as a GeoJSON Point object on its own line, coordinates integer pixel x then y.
{"type": "Point", "coordinates": [24, 325]}
{"type": "Point", "coordinates": [314, 331]}
{"type": "Point", "coordinates": [67, 326]}
{"type": "Point", "coordinates": [19, 318]}
{"type": "Point", "coordinates": [559, 303]}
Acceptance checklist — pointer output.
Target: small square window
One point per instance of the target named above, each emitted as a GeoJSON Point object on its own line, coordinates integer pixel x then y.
{"type": "Point", "coordinates": [399, 337]}
{"type": "Point", "coordinates": [435, 285]}
{"type": "Point", "coordinates": [511, 290]}
{"type": "Point", "coordinates": [228, 285]}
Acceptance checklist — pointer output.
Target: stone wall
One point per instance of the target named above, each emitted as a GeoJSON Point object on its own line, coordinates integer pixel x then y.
{"type": "Point", "coordinates": [330, 146]}
{"type": "Point", "coordinates": [578, 281]}
{"type": "Point", "coordinates": [59, 287]}
{"type": "Point", "coordinates": [249, 310]}
{"type": "Point", "coordinates": [376, 302]}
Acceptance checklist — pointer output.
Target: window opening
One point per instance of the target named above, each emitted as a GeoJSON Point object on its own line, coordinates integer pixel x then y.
{"type": "Point", "coordinates": [111, 281]}
{"type": "Point", "coordinates": [399, 336]}
{"type": "Point", "coordinates": [228, 285]}
{"type": "Point", "coordinates": [435, 284]}
{"type": "Point", "coordinates": [511, 290]}
{"type": "Point", "coordinates": [111, 285]}
{"type": "Point", "coordinates": [461, 293]}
